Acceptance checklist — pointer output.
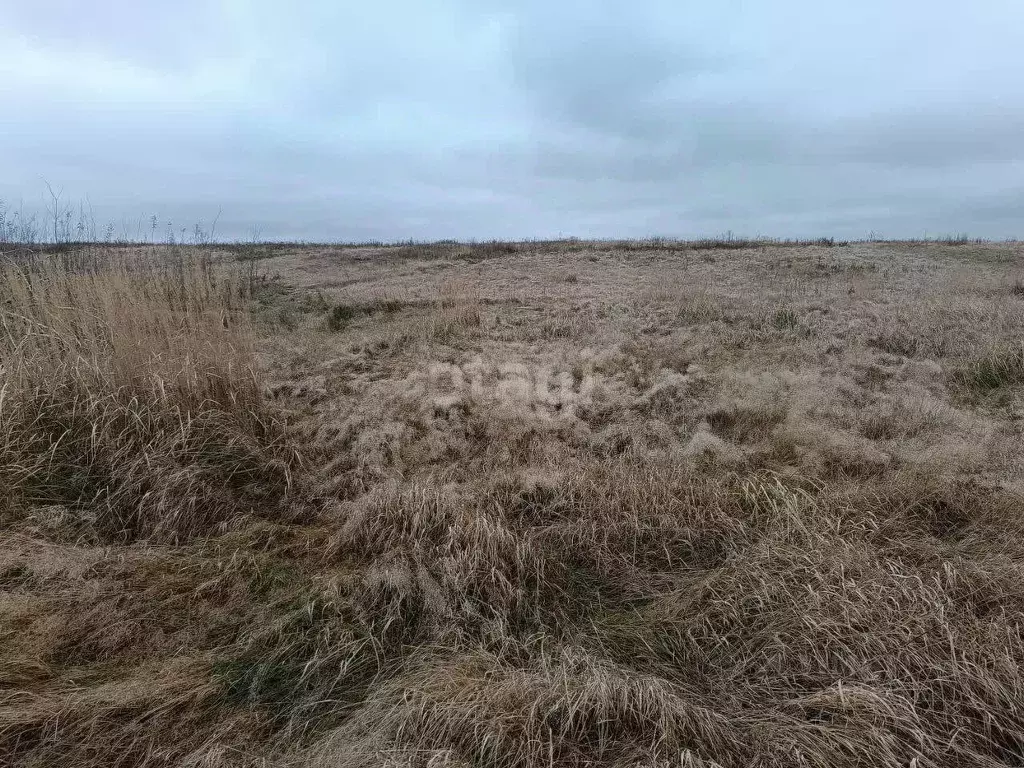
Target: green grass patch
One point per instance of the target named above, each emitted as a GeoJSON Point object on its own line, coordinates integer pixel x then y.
{"type": "Point", "coordinates": [995, 369]}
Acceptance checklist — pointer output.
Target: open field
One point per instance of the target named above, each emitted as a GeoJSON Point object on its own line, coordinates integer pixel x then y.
{"type": "Point", "coordinates": [539, 504]}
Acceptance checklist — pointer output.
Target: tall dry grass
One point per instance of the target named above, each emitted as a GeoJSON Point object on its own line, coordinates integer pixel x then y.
{"type": "Point", "coordinates": [128, 390]}
{"type": "Point", "coordinates": [458, 309]}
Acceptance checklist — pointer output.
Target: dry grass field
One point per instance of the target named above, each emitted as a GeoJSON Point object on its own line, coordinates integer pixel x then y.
{"type": "Point", "coordinates": [654, 504]}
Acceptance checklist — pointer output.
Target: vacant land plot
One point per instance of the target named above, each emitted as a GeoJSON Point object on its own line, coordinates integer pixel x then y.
{"type": "Point", "coordinates": [559, 504]}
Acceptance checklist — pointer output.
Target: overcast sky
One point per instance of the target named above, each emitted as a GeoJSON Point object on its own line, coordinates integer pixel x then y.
{"type": "Point", "coordinates": [482, 118]}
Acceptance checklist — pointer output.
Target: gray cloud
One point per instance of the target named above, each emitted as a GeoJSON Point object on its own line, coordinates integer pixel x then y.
{"type": "Point", "coordinates": [399, 119]}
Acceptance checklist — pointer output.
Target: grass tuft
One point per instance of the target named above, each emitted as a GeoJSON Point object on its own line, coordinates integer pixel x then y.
{"type": "Point", "coordinates": [993, 370]}
{"type": "Point", "coordinates": [128, 390]}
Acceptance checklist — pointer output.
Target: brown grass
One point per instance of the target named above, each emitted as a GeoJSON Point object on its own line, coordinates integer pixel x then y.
{"type": "Point", "coordinates": [457, 309]}
{"type": "Point", "coordinates": [129, 393]}
{"type": "Point", "coordinates": [444, 506]}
